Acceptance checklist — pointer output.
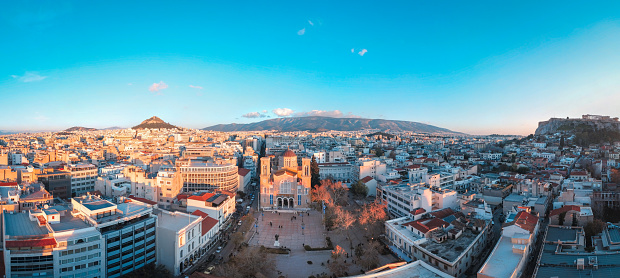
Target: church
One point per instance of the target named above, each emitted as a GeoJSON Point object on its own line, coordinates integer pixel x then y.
{"type": "Point", "coordinates": [288, 187]}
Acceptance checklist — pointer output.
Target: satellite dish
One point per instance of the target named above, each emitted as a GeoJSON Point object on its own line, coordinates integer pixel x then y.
{"type": "Point", "coordinates": [46, 206]}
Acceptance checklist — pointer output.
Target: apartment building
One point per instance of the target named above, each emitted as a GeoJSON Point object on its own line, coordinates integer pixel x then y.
{"type": "Point", "coordinates": [178, 241]}
{"type": "Point", "coordinates": [83, 177]}
{"type": "Point", "coordinates": [449, 241]}
{"type": "Point", "coordinates": [128, 229]}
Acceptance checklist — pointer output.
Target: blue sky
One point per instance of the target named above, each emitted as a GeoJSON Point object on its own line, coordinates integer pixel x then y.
{"type": "Point", "coordinates": [478, 67]}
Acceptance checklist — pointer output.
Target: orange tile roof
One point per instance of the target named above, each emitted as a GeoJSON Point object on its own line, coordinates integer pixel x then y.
{"type": "Point", "coordinates": [202, 197]}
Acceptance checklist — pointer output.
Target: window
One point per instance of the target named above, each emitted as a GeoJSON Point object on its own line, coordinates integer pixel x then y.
{"type": "Point", "coordinates": [285, 187]}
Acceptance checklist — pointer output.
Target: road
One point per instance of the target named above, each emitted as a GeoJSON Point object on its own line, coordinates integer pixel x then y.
{"type": "Point", "coordinates": [227, 249]}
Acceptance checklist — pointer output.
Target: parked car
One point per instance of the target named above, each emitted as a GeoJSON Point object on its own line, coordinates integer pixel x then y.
{"type": "Point", "coordinates": [219, 249]}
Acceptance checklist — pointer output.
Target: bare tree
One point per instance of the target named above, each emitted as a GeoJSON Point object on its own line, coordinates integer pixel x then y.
{"type": "Point", "coordinates": [372, 218]}
{"type": "Point", "coordinates": [343, 218]}
{"type": "Point", "coordinates": [338, 265]}
{"type": "Point", "coordinates": [250, 262]}
{"type": "Point", "coordinates": [370, 255]}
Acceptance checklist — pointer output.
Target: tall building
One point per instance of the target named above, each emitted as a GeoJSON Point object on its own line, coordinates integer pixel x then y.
{"type": "Point", "coordinates": [128, 230]}
{"type": "Point", "coordinates": [289, 186]}
{"type": "Point", "coordinates": [51, 242]}
{"type": "Point", "coordinates": [200, 175]}
{"type": "Point", "coordinates": [58, 183]}
{"type": "Point", "coordinates": [83, 177]}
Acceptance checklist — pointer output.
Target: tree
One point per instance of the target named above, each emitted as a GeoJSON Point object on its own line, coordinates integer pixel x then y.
{"type": "Point", "coordinates": [250, 262]}
{"type": "Point", "coordinates": [562, 142]}
{"type": "Point", "coordinates": [338, 265]}
{"type": "Point", "coordinates": [236, 238]}
{"type": "Point", "coordinates": [378, 151]}
{"type": "Point", "coordinates": [315, 178]}
{"type": "Point", "coordinates": [370, 255]}
{"type": "Point", "coordinates": [593, 228]}
{"type": "Point", "coordinates": [359, 189]}
{"type": "Point", "coordinates": [561, 218]}
{"type": "Point", "coordinates": [372, 219]}
{"type": "Point", "coordinates": [343, 218]}
{"type": "Point", "coordinates": [320, 194]}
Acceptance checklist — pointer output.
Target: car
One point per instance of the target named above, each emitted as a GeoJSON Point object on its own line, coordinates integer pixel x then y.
{"type": "Point", "coordinates": [211, 257]}
{"type": "Point", "coordinates": [209, 269]}
{"type": "Point", "coordinates": [239, 224]}
{"type": "Point", "coordinates": [219, 249]}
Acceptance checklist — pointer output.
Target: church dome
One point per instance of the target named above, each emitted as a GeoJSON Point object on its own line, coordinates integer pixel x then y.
{"type": "Point", "coordinates": [289, 153]}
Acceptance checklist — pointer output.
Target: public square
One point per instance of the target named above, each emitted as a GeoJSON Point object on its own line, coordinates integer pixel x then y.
{"type": "Point", "coordinates": [294, 229]}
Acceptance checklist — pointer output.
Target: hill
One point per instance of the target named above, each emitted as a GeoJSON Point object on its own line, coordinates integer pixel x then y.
{"type": "Point", "coordinates": [586, 131]}
{"type": "Point", "coordinates": [154, 123]}
{"type": "Point", "coordinates": [316, 123]}
{"type": "Point", "coordinates": [80, 128]}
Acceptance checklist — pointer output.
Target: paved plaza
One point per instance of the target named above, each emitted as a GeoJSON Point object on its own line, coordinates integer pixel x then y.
{"type": "Point", "coordinates": [288, 225]}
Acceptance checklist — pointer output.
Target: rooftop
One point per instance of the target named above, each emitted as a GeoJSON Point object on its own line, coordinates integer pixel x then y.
{"type": "Point", "coordinates": [502, 262]}
{"type": "Point", "coordinates": [562, 234]}
{"type": "Point", "coordinates": [20, 225]}
{"type": "Point", "coordinates": [563, 265]}
{"type": "Point", "coordinates": [98, 204]}
{"type": "Point", "coordinates": [410, 270]}
{"type": "Point", "coordinates": [175, 221]}
{"type": "Point", "coordinates": [67, 223]}
{"type": "Point", "coordinates": [451, 249]}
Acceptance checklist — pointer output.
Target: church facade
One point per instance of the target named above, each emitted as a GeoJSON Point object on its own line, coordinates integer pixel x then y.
{"type": "Point", "coordinates": [288, 186]}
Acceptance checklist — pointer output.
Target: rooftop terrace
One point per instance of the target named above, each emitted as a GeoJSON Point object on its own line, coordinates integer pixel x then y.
{"type": "Point", "coordinates": [451, 249]}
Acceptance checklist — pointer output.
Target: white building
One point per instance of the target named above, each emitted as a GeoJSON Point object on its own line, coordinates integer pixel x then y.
{"type": "Point", "coordinates": [217, 205]}
{"type": "Point", "coordinates": [511, 252]}
{"type": "Point", "coordinates": [403, 199]}
{"type": "Point", "coordinates": [178, 241]}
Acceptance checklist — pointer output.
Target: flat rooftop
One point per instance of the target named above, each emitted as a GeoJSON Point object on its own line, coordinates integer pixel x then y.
{"type": "Point", "coordinates": [502, 262]}
{"type": "Point", "coordinates": [556, 233]}
{"type": "Point", "coordinates": [410, 270]}
{"type": "Point", "coordinates": [97, 204]}
{"type": "Point", "coordinates": [175, 221]}
{"type": "Point", "coordinates": [451, 249]}
{"type": "Point", "coordinates": [67, 223]}
{"type": "Point", "coordinates": [19, 224]}
{"type": "Point", "coordinates": [563, 265]}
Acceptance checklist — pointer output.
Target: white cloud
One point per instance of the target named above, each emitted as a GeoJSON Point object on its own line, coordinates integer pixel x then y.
{"type": "Point", "coordinates": [352, 50]}
{"type": "Point", "coordinates": [129, 84]}
{"type": "Point", "coordinates": [301, 32]}
{"type": "Point", "coordinates": [195, 87]}
{"type": "Point", "coordinates": [252, 115]}
{"type": "Point", "coordinates": [29, 76]}
{"type": "Point", "coordinates": [283, 112]}
{"type": "Point", "coordinates": [264, 111]}
{"type": "Point", "coordinates": [158, 86]}
{"type": "Point", "coordinates": [362, 52]}
{"type": "Point", "coordinates": [323, 113]}
{"type": "Point", "coordinates": [311, 24]}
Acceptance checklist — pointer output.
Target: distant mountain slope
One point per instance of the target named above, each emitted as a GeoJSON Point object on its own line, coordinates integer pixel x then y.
{"type": "Point", "coordinates": [325, 123]}
{"type": "Point", "coordinates": [80, 128]}
{"type": "Point", "coordinates": [155, 123]}
{"type": "Point", "coordinates": [113, 128]}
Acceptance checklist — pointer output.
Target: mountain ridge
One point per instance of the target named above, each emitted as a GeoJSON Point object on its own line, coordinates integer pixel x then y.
{"type": "Point", "coordinates": [317, 123]}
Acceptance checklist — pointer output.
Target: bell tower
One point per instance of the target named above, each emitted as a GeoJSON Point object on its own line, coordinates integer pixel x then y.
{"type": "Point", "coordinates": [305, 174]}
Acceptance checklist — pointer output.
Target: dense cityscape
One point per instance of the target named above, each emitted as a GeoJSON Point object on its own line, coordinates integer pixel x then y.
{"type": "Point", "coordinates": [309, 139]}
{"type": "Point", "coordinates": [165, 201]}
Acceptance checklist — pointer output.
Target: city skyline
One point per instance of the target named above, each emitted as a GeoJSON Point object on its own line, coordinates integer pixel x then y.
{"type": "Point", "coordinates": [477, 68]}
